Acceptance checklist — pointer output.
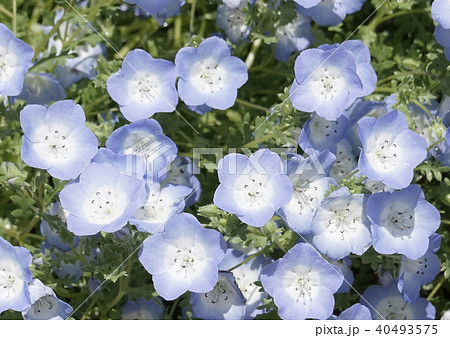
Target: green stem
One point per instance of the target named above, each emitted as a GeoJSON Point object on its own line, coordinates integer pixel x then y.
{"type": "Point", "coordinates": [395, 15]}
{"type": "Point", "coordinates": [192, 18]}
{"type": "Point", "coordinates": [30, 226]}
{"type": "Point", "coordinates": [248, 259]}
{"type": "Point", "coordinates": [436, 288]}
{"type": "Point", "coordinates": [435, 143]}
{"type": "Point", "coordinates": [251, 105]}
{"type": "Point", "coordinates": [177, 39]}
{"type": "Point", "coordinates": [5, 11]}
{"type": "Point", "coordinates": [425, 109]}
{"type": "Point", "coordinates": [174, 307]}
{"type": "Point", "coordinates": [252, 54]}
{"type": "Point", "coordinates": [15, 17]}
{"type": "Point", "coordinates": [416, 72]}
{"type": "Point", "coordinates": [385, 90]}
{"type": "Point", "coordinates": [354, 172]}
{"type": "Point", "coordinates": [92, 105]}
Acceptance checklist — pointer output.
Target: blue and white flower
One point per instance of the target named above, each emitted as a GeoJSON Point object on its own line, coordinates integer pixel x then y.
{"type": "Point", "coordinates": [142, 309]}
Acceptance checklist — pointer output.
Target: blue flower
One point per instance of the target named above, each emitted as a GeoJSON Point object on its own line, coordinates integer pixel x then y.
{"type": "Point", "coordinates": [42, 89]}
{"type": "Point", "coordinates": [345, 160]}
{"type": "Point", "coordinates": [386, 302]}
{"type": "Point", "coordinates": [144, 139]}
{"type": "Point", "coordinates": [184, 257]}
{"type": "Point", "coordinates": [320, 134]}
{"type": "Point", "coordinates": [329, 12]}
{"type": "Point", "coordinates": [294, 37]}
{"type": "Point", "coordinates": [162, 203]}
{"type": "Point", "coordinates": [231, 19]}
{"type": "Point", "coordinates": [159, 9]}
{"type": "Point", "coordinates": [15, 275]}
{"type": "Point", "coordinates": [224, 301]}
{"type": "Point", "coordinates": [56, 139]}
{"type": "Point", "coordinates": [340, 226]}
{"type": "Point", "coordinates": [302, 284]}
{"type": "Point", "coordinates": [142, 309]}
{"type": "Point", "coordinates": [252, 187]}
{"type": "Point", "coordinates": [415, 273]}
{"type": "Point", "coordinates": [344, 265]}
{"type": "Point", "coordinates": [402, 222]}
{"type": "Point", "coordinates": [102, 200]}
{"type": "Point", "coordinates": [44, 304]}
{"type": "Point", "coordinates": [390, 150]}
{"type": "Point", "coordinates": [440, 11]}
{"type": "Point", "coordinates": [330, 78]}
{"type": "Point", "coordinates": [15, 60]}
{"type": "Point", "coordinates": [209, 74]}
{"type": "Point", "coordinates": [354, 312]}
{"type": "Point", "coordinates": [442, 36]}
{"type": "Point", "coordinates": [310, 182]}
{"type": "Point", "coordinates": [144, 86]}
{"type": "Point", "coordinates": [246, 275]}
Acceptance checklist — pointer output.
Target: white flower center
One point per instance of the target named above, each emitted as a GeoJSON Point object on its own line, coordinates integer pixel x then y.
{"type": "Point", "coordinates": [253, 193]}
{"type": "Point", "coordinates": [301, 287]}
{"type": "Point", "coordinates": [305, 197]}
{"type": "Point", "coordinates": [45, 308]}
{"type": "Point", "coordinates": [399, 222]}
{"type": "Point", "coordinates": [345, 163]}
{"type": "Point", "coordinates": [104, 206]}
{"type": "Point", "coordinates": [157, 208]}
{"type": "Point", "coordinates": [6, 65]}
{"type": "Point", "coordinates": [221, 293]}
{"type": "Point", "coordinates": [342, 221]}
{"type": "Point", "coordinates": [7, 283]}
{"type": "Point", "coordinates": [207, 76]}
{"type": "Point", "coordinates": [416, 266]}
{"type": "Point", "coordinates": [55, 142]}
{"type": "Point", "coordinates": [185, 259]}
{"type": "Point", "coordinates": [328, 83]}
{"type": "Point", "coordinates": [394, 308]}
{"type": "Point", "coordinates": [144, 89]}
{"type": "Point", "coordinates": [383, 154]}
{"type": "Point", "coordinates": [246, 285]}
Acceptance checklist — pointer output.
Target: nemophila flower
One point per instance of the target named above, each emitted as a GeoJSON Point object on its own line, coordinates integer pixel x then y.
{"type": "Point", "coordinates": [344, 265]}
{"type": "Point", "coordinates": [320, 134]}
{"type": "Point", "coordinates": [386, 302]}
{"type": "Point", "coordinates": [354, 312]}
{"type": "Point", "coordinates": [340, 225]}
{"type": "Point", "coordinates": [231, 19]}
{"type": "Point", "coordinates": [44, 304]}
{"type": "Point", "coordinates": [252, 187]}
{"type": "Point", "coordinates": [183, 258]}
{"type": "Point", "coordinates": [442, 36]}
{"type": "Point", "coordinates": [15, 60]}
{"type": "Point", "coordinates": [102, 200]}
{"type": "Point", "coordinates": [294, 37]}
{"type": "Point", "coordinates": [56, 139]}
{"type": "Point", "coordinates": [162, 203]}
{"type": "Point", "coordinates": [330, 78]}
{"type": "Point", "coordinates": [440, 11]}
{"type": "Point", "coordinates": [181, 172]}
{"type": "Point", "coordinates": [142, 309]}
{"type": "Point", "coordinates": [209, 74]}
{"type": "Point", "coordinates": [302, 284]}
{"type": "Point", "coordinates": [391, 150]}
{"type": "Point", "coordinates": [246, 275]}
{"type": "Point", "coordinates": [15, 275]}
{"type": "Point", "coordinates": [345, 160]}
{"type": "Point", "coordinates": [224, 301]}
{"type": "Point", "coordinates": [415, 273]}
{"type": "Point", "coordinates": [52, 237]}
{"type": "Point", "coordinates": [159, 9]}
{"type": "Point", "coordinates": [309, 177]}
{"type": "Point", "coordinates": [144, 139]}
{"type": "Point", "coordinates": [200, 110]}
{"type": "Point", "coordinates": [329, 12]}
{"type": "Point", "coordinates": [128, 164]}
{"type": "Point", "coordinates": [143, 86]}
{"type": "Point", "coordinates": [42, 89]}
{"type": "Point", "coordinates": [402, 221]}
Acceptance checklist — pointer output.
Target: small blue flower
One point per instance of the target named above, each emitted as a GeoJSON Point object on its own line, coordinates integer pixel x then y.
{"type": "Point", "coordinates": [15, 275]}
{"type": "Point", "coordinates": [386, 302]}
{"type": "Point", "coordinates": [354, 312]}
{"type": "Point", "coordinates": [442, 36]}
{"type": "Point", "coordinates": [42, 89]}
{"type": "Point", "coordinates": [184, 257]}
{"type": "Point", "coordinates": [231, 19]}
{"type": "Point", "coordinates": [252, 187]}
{"type": "Point", "coordinates": [144, 86]}
{"type": "Point", "coordinates": [415, 273]}
{"type": "Point", "coordinates": [302, 284]}
{"type": "Point", "coordinates": [310, 182]}
{"type": "Point", "coordinates": [340, 226]}
{"type": "Point", "coordinates": [159, 9]}
{"type": "Point", "coordinates": [330, 78]}
{"type": "Point", "coordinates": [44, 304]}
{"type": "Point", "coordinates": [440, 11]}
{"type": "Point", "coordinates": [209, 74]}
{"type": "Point", "coordinates": [102, 200]}
{"type": "Point", "coordinates": [320, 134]}
{"type": "Point", "coordinates": [144, 139]}
{"type": "Point", "coordinates": [402, 222]}
{"type": "Point", "coordinates": [391, 150]}
{"type": "Point", "coordinates": [294, 37]}
{"type": "Point", "coordinates": [142, 309]}
{"type": "Point", "coordinates": [56, 139]}
{"type": "Point", "coordinates": [15, 60]}
{"type": "Point", "coordinates": [345, 160]}
{"type": "Point", "coordinates": [162, 203]}
{"type": "Point", "coordinates": [224, 301]}
{"type": "Point", "coordinates": [344, 265]}
{"type": "Point", "coordinates": [329, 12]}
